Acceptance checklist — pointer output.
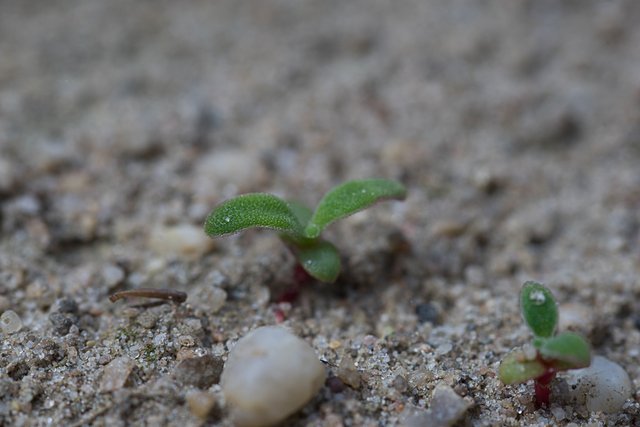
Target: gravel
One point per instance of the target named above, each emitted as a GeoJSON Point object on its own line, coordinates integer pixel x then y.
{"type": "Point", "coordinates": [514, 126]}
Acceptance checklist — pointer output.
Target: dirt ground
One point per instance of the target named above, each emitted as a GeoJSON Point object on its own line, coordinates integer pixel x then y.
{"type": "Point", "coordinates": [515, 126]}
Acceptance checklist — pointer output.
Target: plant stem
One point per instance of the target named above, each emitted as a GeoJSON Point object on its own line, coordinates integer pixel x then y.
{"type": "Point", "coordinates": [543, 389]}
{"type": "Point", "coordinates": [300, 279]}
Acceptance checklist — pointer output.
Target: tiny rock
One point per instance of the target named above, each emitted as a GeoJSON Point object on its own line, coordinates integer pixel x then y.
{"type": "Point", "coordinates": [269, 375]}
{"type": "Point", "coordinates": [231, 166]}
{"type": "Point", "coordinates": [68, 305]}
{"type": "Point", "coordinates": [348, 372]}
{"type": "Point", "coordinates": [445, 409]}
{"type": "Point", "coordinates": [61, 323]}
{"type": "Point", "coordinates": [112, 275]}
{"type": "Point", "coordinates": [117, 374]}
{"type": "Point", "coordinates": [199, 372]}
{"type": "Point", "coordinates": [427, 312]}
{"type": "Point", "coordinates": [603, 386]}
{"type": "Point", "coordinates": [10, 322]}
{"type": "Point", "coordinates": [147, 319]}
{"type": "Point", "coordinates": [210, 299]}
{"type": "Point", "coordinates": [201, 403]}
{"type": "Point", "coordinates": [184, 240]}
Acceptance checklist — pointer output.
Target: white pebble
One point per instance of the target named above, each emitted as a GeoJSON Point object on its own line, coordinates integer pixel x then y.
{"type": "Point", "coordinates": [269, 375]}
{"type": "Point", "coordinates": [603, 386]}
{"type": "Point", "coordinates": [558, 413]}
{"type": "Point", "coordinates": [443, 349]}
{"type": "Point", "coordinates": [10, 322]}
{"type": "Point", "coordinates": [117, 374]}
{"type": "Point", "coordinates": [184, 240]}
{"type": "Point", "coordinates": [210, 299]}
{"type": "Point", "coordinates": [112, 275]}
{"type": "Point", "coordinates": [240, 168]}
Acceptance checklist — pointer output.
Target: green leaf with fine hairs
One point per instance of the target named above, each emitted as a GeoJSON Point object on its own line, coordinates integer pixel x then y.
{"type": "Point", "coordinates": [566, 350]}
{"type": "Point", "coordinates": [516, 368]}
{"type": "Point", "coordinates": [320, 259]}
{"type": "Point", "coordinates": [539, 309]}
{"type": "Point", "coordinates": [302, 213]}
{"type": "Point", "coordinates": [252, 210]}
{"type": "Point", "coordinates": [349, 198]}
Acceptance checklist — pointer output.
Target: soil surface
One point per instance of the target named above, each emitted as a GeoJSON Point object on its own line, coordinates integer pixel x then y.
{"type": "Point", "coordinates": [515, 126]}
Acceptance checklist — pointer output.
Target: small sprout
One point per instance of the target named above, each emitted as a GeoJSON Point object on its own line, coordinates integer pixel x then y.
{"type": "Point", "coordinates": [299, 227]}
{"type": "Point", "coordinates": [538, 309]}
{"type": "Point", "coordinates": [552, 353]}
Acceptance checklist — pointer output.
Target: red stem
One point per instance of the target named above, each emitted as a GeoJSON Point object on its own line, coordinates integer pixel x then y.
{"type": "Point", "coordinates": [542, 387]}
{"type": "Point", "coordinates": [300, 279]}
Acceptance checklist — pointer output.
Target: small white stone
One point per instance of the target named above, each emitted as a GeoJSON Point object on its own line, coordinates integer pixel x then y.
{"type": "Point", "coordinates": [446, 408]}
{"type": "Point", "coordinates": [558, 413]}
{"type": "Point", "coordinates": [10, 322]}
{"type": "Point", "coordinates": [241, 168]}
{"type": "Point", "coordinates": [112, 275]}
{"type": "Point", "coordinates": [217, 298]}
{"type": "Point", "coordinates": [603, 386]}
{"type": "Point", "coordinates": [184, 240]}
{"type": "Point", "coordinates": [269, 375]}
{"type": "Point", "coordinates": [210, 299]}
{"type": "Point", "coordinates": [443, 349]}
{"type": "Point", "coordinates": [117, 374]}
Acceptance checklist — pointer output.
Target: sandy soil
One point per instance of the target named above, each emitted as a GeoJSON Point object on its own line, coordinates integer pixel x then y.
{"type": "Point", "coordinates": [515, 126]}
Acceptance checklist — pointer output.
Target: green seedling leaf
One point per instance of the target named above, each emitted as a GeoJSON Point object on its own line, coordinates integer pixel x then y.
{"type": "Point", "coordinates": [302, 213]}
{"type": "Point", "coordinates": [516, 368]}
{"type": "Point", "coordinates": [538, 309]}
{"type": "Point", "coordinates": [252, 210]}
{"type": "Point", "coordinates": [566, 350]}
{"type": "Point", "coordinates": [320, 259]}
{"type": "Point", "coordinates": [349, 198]}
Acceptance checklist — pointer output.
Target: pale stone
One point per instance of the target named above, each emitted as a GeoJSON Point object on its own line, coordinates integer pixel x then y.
{"type": "Point", "coordinates": [603, 386]}
{"type": "Point", "coordinates": [446, 409]}
{"type": "Point", "coordinates": [184, 240]}
{"type": "Point", "coordinates": [348, 372]}
{"type": "Point", "coordinates": [10, 322]}
{"type": "Point", "coordinates": [241, 169]}
{"type": "Point", "coordinates": [210, 299]}
{"type": "Point", "coordinates": [117, 374]}
{"type": "Point", "coordinates": [112, 275]}
{"type": "Point", "coordinates": [269, 375]}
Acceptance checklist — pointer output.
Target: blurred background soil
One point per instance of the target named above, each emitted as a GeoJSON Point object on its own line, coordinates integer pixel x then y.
{"type": "Point", "coordinates": [515, 126]}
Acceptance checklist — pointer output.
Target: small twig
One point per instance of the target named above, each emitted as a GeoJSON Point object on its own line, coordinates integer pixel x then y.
{"type": "Point", "coordinates": [164, 294]}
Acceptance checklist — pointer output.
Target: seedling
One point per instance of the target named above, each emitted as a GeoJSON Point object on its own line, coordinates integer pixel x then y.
{"type": "Point", "coordinates": [551, 353]}
{"type": "Point", "coordinates": [298, 226]}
